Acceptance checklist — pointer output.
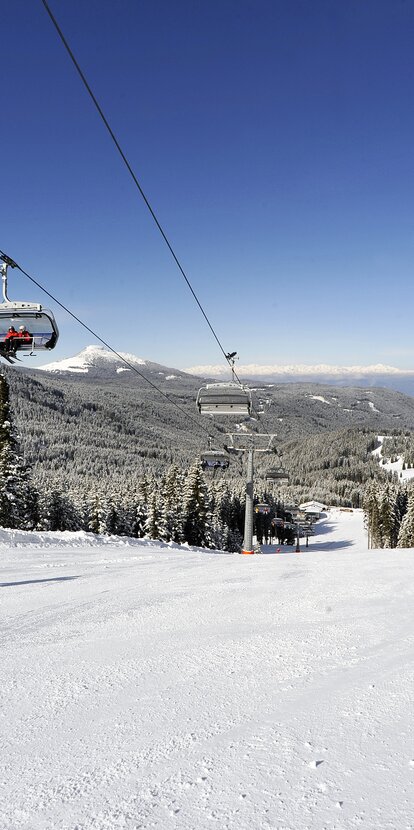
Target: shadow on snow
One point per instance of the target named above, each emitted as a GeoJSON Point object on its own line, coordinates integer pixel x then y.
{"type": "Point", "coordinates": [35, 581]}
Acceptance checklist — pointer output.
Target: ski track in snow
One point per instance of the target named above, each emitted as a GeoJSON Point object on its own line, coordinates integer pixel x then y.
{"type": "Point", "coordinates": [150, 687]}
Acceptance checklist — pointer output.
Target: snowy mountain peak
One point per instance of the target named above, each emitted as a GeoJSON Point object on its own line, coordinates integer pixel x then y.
{"type": "Point", "coordinates": [94, 359]}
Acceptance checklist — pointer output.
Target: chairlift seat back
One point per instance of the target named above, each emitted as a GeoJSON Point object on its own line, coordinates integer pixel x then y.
{"type": "Point", "coordinates": [277, 474]}
{"type": "Point", "coordinates": [224, 399]}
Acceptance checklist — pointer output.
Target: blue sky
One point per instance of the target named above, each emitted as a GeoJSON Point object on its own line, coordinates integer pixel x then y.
{"type": "Point", "coordinates": [274, 141]}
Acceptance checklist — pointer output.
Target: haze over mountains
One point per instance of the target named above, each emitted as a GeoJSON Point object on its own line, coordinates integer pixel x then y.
{"type": "Point", "coordinates": [96, 360]}
{"type": "Point", "coordinates": [401, 380]}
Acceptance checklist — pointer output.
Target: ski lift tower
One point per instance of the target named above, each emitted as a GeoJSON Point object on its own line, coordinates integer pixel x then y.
{"type": "Point", "coordinates": [249, 443]}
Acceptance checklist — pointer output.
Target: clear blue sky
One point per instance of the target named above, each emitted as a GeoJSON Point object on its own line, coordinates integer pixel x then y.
{"type": "Point", "coordinates": [275, 141]}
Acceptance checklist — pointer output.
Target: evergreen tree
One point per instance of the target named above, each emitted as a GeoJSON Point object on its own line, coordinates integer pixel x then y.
{"type": "Point", "coordinates": [18, 499]}
{"type": "Point", "coordinates": [92, 514]}
{"type": "Point", "coordinates": [197, 530]}
{"type": "Point", "coordinates": [371, 510]}
{"type": "Point", "coordinates": [387, 519]}
{"type": "Point", "coordinates": [151, 526]}
{"type": "Point", "coordinates": [171, 509]}
{"type": "Point", "coordinates": [108, 517]}
{"type": "Point", "coordinates": [51, 511]}
{"type": "Point", "coordinates": [406, 534]}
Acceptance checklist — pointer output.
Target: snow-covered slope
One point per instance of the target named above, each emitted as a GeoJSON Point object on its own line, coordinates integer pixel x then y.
{"type": "Point", "coordinates": [148, 687]}
{"type": "Point", "coordinates": [393, 466]}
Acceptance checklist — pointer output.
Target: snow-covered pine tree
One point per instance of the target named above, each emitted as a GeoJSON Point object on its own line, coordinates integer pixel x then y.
{"type": "Point", "coordinates": [371, 511]}
{"type": "Point", "coordinates": [108, 517]}
{"type": "Point", "coordinates": [406, 534]}
{"type": "Point", "coordinates": [401, 502]}
{"type": "Point", "coordinates": [18, 499]}
{"type": "Point", "coordinates": [52, 514]}
{"type": "Point", "coordinates": [196, 507]}
{"type": "Point", "coordinates": [387, 517]}
{"type": "Point", "coordinates": [152, 523]}
{"type": "Point", "coordinates": [92, 513]}
{"type": "Point", "coordinates": [171, 510]}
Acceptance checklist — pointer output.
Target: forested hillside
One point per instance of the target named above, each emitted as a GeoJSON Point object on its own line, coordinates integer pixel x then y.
{"type": "Point", "coordinates": [106, 431]}
{"type": "Point", "coordinates": [332, 467]}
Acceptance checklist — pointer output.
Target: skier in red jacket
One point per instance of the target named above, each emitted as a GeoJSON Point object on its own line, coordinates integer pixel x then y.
{"type": "Point", "coordinates": [24, 335]}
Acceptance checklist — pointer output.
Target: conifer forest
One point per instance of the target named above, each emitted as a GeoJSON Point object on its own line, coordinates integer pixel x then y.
{"type": "Point", "coordinates": [105, 457]}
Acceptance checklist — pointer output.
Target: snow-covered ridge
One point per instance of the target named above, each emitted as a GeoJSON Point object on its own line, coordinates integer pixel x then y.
{"type": "Point", "coordinates": [93, 357]}
{"type": "Point", "coordinates": [255, 369]}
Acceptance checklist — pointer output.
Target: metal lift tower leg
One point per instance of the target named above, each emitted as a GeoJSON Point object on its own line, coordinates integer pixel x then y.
{"type": "Point", "coordinates": [248, 519]}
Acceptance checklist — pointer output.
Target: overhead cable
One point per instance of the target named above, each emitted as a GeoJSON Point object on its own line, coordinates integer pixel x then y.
{"type": "Point", "coordinates": [131, 366]}
{"type": "Point", "coordinates": [133, 176]}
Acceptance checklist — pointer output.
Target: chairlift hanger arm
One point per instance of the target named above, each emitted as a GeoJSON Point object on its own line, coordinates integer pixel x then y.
{"type": "Point", "coordinates": [8, 260]}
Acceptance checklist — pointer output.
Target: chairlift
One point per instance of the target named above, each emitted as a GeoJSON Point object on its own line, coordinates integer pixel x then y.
{"type": "Point", "coordinates": [262, 508]}
{"type": "Point", "coordinates": [214, 460]}
{"type": "Point", "coordinates": [224, 399]}
{"type": "Point", "coordinates": [277, 474]}
{"type": "Point", "coordinates": [35, 327]}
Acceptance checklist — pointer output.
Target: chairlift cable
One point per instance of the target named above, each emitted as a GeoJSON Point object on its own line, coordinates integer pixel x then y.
{"type": "Point", "coordinates": [132, 174]}
{"type": "Point", "coordinates": [14, 264]}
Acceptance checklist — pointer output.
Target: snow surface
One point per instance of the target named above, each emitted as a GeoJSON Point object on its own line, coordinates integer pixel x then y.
{"type": "Point", "coordinates": [152, 686]}
{"type": "Point", "coordinates": [319, 398]}
{"type": "Point", "coordinates": [393, 466]}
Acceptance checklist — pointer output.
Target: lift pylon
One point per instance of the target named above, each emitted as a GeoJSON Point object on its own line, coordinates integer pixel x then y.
{"type": "Point", "coordinates": [249, 443]}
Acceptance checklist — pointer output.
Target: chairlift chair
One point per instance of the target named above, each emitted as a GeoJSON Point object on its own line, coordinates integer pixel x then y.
{"type": "Point", "coordinates": [262, 508]}
{"type": "Point", "coordinates": [214, 460]}
{"type": "Point", "coordinates": [277, 474]}
{"type": "Point", "coordinates": [39, 322]}
{"type": "Point", "coordinates": [224, 399]}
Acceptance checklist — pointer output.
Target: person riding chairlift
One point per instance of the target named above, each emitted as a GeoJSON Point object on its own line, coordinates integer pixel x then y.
{"type": "Point", "coordinates": [11, 333]}
{"type": "Point", "coordinates": [10, 340]}
{"type": "Point", "coordinates": [24, 334]}
{"type": "Point", "coordinates": [14, 339]}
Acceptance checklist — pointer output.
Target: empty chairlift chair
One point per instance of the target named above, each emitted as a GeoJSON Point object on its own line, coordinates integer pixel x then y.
{"type": "Point", "coordinates": [224, 399]}
{"type": "Point", "coordinates": [277, 474]}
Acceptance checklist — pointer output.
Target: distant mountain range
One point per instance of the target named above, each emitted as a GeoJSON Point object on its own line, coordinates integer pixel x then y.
{"type": "Point", "coordinates": [96, 361]}
{"type": "Point", "coordinates": [379, 375]}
